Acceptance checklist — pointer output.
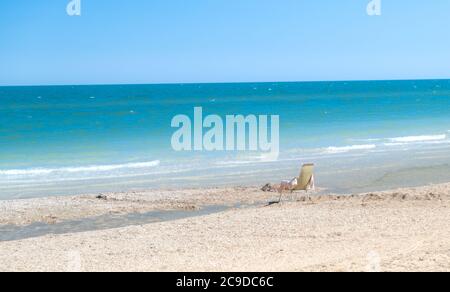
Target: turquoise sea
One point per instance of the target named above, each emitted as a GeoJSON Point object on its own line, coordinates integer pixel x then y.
{"type": "Point", "coordinates": [363, 136]}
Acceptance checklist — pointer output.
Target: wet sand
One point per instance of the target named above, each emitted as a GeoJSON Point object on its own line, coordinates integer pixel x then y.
{"type": "Point", "coordinates": [56, 209]}
{"type": "Point", "coordinates": [401, 230]}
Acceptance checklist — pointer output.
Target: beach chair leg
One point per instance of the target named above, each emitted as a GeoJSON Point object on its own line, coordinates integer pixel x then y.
{"type": "Point", "coordinates": [281, 195]}
{"type": "Point", "coordinates": [293, 195]}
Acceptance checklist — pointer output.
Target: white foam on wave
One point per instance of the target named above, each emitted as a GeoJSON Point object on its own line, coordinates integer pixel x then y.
{"type": "Point", "coordinates": [415, 139]}
{"type": "Point", "coordinates": [236, 162]}
{"type": "Point", "coordinates": [262, 158]}
{"type": "Point", "coordinates": [345, 149]}
{"type": "Point", "coordinates": [395, 144]}
{"type": "Point", "coordinates": [81, 169]}
{"type": "Point", "coordinates": [366, 140]}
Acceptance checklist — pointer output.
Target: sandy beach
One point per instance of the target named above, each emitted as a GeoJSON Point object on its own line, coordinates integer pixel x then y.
{"type": "Point", "coordinates": [400, 230]}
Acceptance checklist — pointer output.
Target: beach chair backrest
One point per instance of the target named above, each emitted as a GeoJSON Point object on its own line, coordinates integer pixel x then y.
{"type": "Point", "coordinates": [304, 179]}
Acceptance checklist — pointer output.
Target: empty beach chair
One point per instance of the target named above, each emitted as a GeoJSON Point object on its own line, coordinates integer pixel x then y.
{"type": "Point", "coordinates": [306, 179]}
{"type": "Point", "coordinates": [305, 182]}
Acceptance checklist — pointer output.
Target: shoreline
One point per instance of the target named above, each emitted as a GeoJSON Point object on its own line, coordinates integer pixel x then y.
{"type": "Point", "coordinates": [323, 232]}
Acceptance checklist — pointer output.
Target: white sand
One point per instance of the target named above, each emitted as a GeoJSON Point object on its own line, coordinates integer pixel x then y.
{"type": "Point", "coordinates": [404, 230]}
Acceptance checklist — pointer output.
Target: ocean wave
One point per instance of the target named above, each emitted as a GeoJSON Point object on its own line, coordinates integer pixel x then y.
{"type": "Point", "coordinates": [242, 162]}
{"type": "Point", "coordinates": [236, 162]}
{"type": "Point", "coordinates": [394, 144]}
{"type": "Point", "coordinates": [81, 169]}
{"type": "Point", "coordinates": [415, 139]}
{"type": "Point", "coordinates": [345, 149]}
{"type": "Point", "coordinates": [262, 158]}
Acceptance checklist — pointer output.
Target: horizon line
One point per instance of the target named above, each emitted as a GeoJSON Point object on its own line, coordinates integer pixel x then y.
{"type": "Point", "coordinates": [225, 82]}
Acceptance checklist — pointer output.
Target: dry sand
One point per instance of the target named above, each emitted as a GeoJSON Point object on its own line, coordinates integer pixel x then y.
{"type": "Point", "coordinates": [402, 230]}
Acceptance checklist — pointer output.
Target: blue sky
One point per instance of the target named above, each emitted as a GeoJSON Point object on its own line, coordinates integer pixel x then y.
{"type": "Point", "coordinates": [165, 41]}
